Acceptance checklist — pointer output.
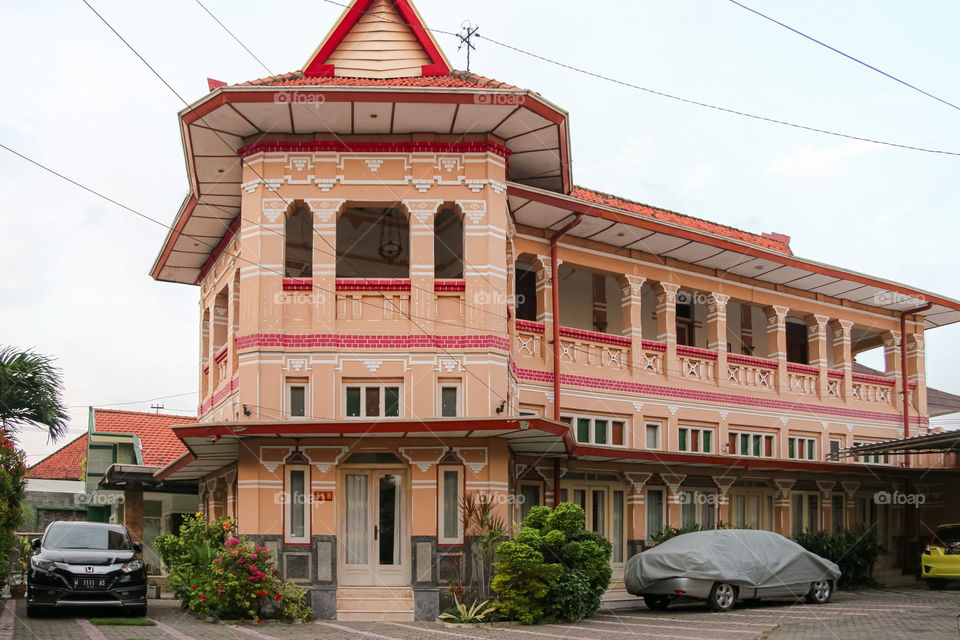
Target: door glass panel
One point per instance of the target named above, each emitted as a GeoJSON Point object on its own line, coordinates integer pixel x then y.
{"type": "Point", "coordinates": [389, 527]}
{"type": "Point", "coordinates": [688, 508]}
{"type": "Point", "coordinates": [654, 512]}
{"type": "Point", "coordinates": [617, 526]}
{"type": "Point", "coordinates": [599, 512]}
{"type": "Point", "coordinates": [580, 498]}
{"type": "Point", "coordinates": [531, 498]}
{"type": "Point", "coordinates": [297, 503]}
{"type": "Point", "coordinates": [357, 525]}
{"type": "Point", "coordinates": [448, 402]}
{"type": "Point", "coordinates": [797, 508]}
{"type": "Point", "coordinates": [298, 402]}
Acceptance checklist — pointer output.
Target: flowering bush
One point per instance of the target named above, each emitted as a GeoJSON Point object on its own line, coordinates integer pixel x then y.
{"type": "Point", "coordinates": [213, 572]}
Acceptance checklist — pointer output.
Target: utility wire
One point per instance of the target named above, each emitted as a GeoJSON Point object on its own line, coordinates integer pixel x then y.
{"type": "Point", "coordinates": [847, 55]}
{"type": "Point", "coordinates": [671, 96]}
{"type": "Point", "coordinates": [217, 20]}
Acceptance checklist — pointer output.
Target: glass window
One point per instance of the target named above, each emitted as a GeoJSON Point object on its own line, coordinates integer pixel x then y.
{"type": "Point", "coordinates": [391, 396]}
{"type": "Point", "coordinates": [599, 512]}
{"type": "Point", "coordinates": [688, 508]}
{"type": "Point", "coordinates": [296, 504]}
{"type": "Point", "coordinates": [372, 401]}
{"type": "Point", "coordinates": [583, 430]}
{"type": "Point", "coordinates": [448, 402]}
{"type": "Point", "coordinates": [531, 498]}
{"type": "Point", "coordinates": [653, 435]}
{"type": "Point", "coordinates": [298, 401]}
{"type": "Point", "coordinates": [353, 402]}
{"type": "Point", "coordinates": [682, 440]}
{"type": "Point", "coordinates": [372, 398]}
{"type": "Point", "coordinates": [600, 431]}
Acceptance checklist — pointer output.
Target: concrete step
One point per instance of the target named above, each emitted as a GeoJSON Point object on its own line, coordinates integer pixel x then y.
{"type": "Point", "coordinates": [389, 604]}
{"type": "Point", "coordinates": [375, 616]}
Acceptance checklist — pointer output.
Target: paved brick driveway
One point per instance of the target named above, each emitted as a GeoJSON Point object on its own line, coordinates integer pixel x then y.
{"type": "Point", "coordinates": [914, 613]}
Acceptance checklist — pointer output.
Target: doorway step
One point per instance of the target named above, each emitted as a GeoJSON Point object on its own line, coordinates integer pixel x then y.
{"type": "Point", "coordinates": [372, 604]}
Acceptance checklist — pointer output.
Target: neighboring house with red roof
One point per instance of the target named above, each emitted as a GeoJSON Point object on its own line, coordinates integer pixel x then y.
{"type": "Point", "coordinates": [124, 451]}
{"type": "Point", "coordinates": [55, 487]}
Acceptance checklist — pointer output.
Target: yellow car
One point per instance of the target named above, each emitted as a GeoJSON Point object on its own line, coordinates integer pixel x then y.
{"type": "Point", "coordinates": [941, 557]}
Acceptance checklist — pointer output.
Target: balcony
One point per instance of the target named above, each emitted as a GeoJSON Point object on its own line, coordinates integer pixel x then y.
{"type": "Point", "coordinates": [614, 362]}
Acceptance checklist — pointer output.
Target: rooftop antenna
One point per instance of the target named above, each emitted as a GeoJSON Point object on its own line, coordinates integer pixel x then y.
{"type": "Point", "coordinates": [468, 32]}
{"type": "Point", "coordinates": [157, 408]}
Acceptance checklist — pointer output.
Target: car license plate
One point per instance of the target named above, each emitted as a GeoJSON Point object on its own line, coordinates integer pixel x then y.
{"type": "Point", "coordinates": [91, 583]}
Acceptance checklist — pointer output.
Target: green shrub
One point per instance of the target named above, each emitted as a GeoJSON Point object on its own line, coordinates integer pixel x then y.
{"type": "Point", "coordinates": [12, 470]}
{"type": "Point", "coordinates": [855, 552]}
{"type": "Point", "coordinates": [554, 570]}
{"type": "Point", "coordinates": [673, 532]}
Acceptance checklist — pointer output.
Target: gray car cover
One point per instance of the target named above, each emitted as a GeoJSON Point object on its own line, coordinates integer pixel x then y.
{"type": "Point", "coordinates": [738, 556]}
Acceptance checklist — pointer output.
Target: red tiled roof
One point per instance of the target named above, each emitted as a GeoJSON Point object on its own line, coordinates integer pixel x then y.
{"type": "Point", "coordinates": [597, 197]}
{"type": "Point", "coordinates": [66, 463]}
{"type": "Point", "coordinates": [158, 442]}
{"type": "Point", "coordinates": [455, 79]}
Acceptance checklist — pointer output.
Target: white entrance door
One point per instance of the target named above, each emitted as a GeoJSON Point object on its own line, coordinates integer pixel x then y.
{"type": "Point", "coordinates": [374, 543]}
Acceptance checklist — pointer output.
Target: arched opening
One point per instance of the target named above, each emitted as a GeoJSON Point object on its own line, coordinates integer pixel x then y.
{"type": "Point", "coordinates": [299, 242]}
{"type": "Point", "coordinates": [448, 245]}
{"type": "Point", "coordinates": [373, 242]}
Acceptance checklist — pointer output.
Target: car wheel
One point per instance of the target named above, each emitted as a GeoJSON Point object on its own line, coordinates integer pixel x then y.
{"type": "Point", "coordinates": [657, 603]}
{"type": "Point", "coordinates": [820, 592]}
{"type": "Point", "coordinates": [722, 597]}
{"type": "Point", "coordinates": [936, 583]}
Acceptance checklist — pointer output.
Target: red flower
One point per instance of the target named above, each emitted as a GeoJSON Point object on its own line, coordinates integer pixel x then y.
{"type": "Point", "coordinates": [203, 597]}
{"type": "Point", "coordinates": [193, 587]}
{"type": "Point", "coordinates": [278, 598]}
{"type": "Point", "coordinates": [258, 620]}
{"type": "Point", "coordinates": [261, 593]}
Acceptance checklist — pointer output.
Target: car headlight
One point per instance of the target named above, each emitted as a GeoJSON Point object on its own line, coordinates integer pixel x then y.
{"type": "Point", "coordinates": [45, 565]}
{"type": "Point", "coordinates": [133, 565]}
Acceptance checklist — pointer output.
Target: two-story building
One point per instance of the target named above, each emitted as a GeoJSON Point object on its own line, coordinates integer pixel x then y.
{"type": "Point", "coordinates": [405, 299]}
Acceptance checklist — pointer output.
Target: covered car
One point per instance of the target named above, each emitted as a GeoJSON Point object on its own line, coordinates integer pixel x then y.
{"type": "Point", "coordinates": [727, 565]}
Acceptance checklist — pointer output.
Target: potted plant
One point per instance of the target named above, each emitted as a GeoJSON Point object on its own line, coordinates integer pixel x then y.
{"type": "Point", "coordinates": [24, 550]}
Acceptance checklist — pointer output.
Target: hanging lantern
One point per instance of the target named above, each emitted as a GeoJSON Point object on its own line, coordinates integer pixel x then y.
{"type": "Point", "coordinates": [390, 242]}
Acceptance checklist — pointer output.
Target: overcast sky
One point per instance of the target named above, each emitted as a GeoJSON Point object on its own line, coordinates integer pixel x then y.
{"type": "Point", "coordinates": [73, 268]}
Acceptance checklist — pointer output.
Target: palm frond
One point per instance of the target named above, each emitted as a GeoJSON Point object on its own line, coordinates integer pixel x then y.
{"type": "Point", "coordinates": [31, 390]}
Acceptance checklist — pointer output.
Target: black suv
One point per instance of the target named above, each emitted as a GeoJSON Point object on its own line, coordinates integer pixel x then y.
{"type": "Point", "coordinates": [86, 564]}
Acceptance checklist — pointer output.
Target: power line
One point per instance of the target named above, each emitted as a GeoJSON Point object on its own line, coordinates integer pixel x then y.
{"type": "Point", "coordinates": [118, 404]}
{"type": "Point", "coordinates": [671, 96]}
{"type": "Point", "coordinates": [846, 55]}
{"type": "Point", "coordinates": [217, 20]}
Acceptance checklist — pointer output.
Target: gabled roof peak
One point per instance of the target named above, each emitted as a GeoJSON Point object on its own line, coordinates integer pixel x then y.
{"type": "Point", "coordinates": [378, 39]}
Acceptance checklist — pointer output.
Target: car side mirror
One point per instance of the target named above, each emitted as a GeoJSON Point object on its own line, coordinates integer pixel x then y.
{"type": "Point", "coordinates": [137, 547]}
{"type": "Point", "coordinates": [35, 543]}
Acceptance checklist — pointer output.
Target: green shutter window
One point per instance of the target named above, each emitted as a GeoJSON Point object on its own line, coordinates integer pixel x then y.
{"type": "Point", "coordinates": [705, 443]}
{"type": "Point", "coordinates": [792, 448]}
{"type": "Point", "coordinates": [744, 444]}
{"type": "Point", "coordinates": [600, 431]}
{"type": "Point", "coordinates": [756, 445]}
{"type": "Point", "coordinates": [353, 402]}
{"type": "Point", "coordinates": [583, 430]}
{"type": "Point", "coordinates": [682, 446]}
{"type": "Point", "coordinates": [391, 402]}
{"type": "Point", "coordinates": [810, 445]}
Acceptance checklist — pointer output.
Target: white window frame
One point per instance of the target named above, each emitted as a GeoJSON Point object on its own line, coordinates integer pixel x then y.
{"type": "Point", "coordinates": [810, 518]}
{"type": "Point", "coordinates": [363, 404]}
{"type": "Point", "coordinates": [450, 385]}
{"type": "Point", "coordinates": [659, 426]}
{"type": "Point", "coordinates": [800, 452]}
{"type": "Point", "coordinates": [288, 401]}
{"type": "Point", "coordinates": [288, 537]}
{"type": "Point", "coordinates": [830, 442]}
{"type": "Point", "coordinates": [763, 435]}
{"type": "Point", "coordinates": [691, 428]}
{"type": "Point", "coordinates": [591, 436]}
{"type": "Point", "coordinates": [441, 501]}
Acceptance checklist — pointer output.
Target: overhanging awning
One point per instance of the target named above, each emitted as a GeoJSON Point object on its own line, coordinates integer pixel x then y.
{"type": "Point", "coordinates": [947, 442]}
